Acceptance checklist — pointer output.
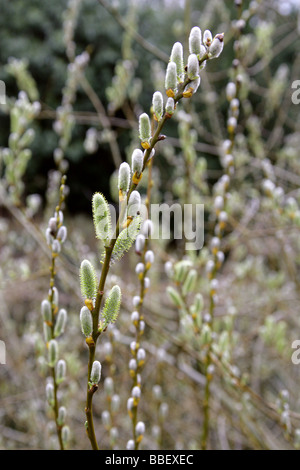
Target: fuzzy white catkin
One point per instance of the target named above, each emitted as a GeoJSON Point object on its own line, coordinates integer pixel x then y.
{"type": "Point", "coordinates": [136, 392]}
{"type": "Point", "coordinates": [157, 103]}
{"type": "Point", "coordinates": [139, 243]}
{"type": "Point", "coordinates": [86, 321]}
{"type": "Point", "coordinates": [124, 177]}
{"type": "Point", "coordinates": [96, 372]}
{"type": "Point", "coordinates": [135, 200]}
{"type": "Point", "coordinates": [135, 316]}
{"type": "Point", "coordinates": [137, 160]}
{"type": "Point", "coordinates": [149, 257]}
{"type": "Point", "coordinates": [170, 106]}
{"type": "Point", "coordinates": [216, 46]}
{"type": "Point", "coordinates": [147, 228]}
{"type": "Point", "coordinates": [132, 364]}
{"type": "Point", "coordinates": [171, 78]}
{"type": "Point", "coordinates": [130, 445]}
{"type": "Point", "coordinates": [193, 67]}
{"type": "Point", "coordinates": [140, 267]}
{"type": "Point", "coordinates": [140, 428]}
{"type": "Point", "coordinates": [177, 57]}
{"type": "Point", "coordinates": [46, 310]}
{"type": "Point", "coordinates": [61, 321]}
{"type": "Point", "coordinates": [195, 40]}
{"type": "Point", "coordinates": [136, 300]}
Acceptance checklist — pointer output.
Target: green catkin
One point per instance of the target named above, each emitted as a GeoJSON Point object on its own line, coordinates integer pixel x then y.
{"type": "Point", "coordinates": [60, 371]}
{"type": "Point", "coordinates": [86, 321]}
{"type": "Point", "coordinates": [126, 239]}
{"type": "Point", "coordinates": [88, 280]}
{"type": "Point", "coordinates": [62, 413]}
{"type": "Point", "coordinates": [112, 306]}
{"type": "Point", "coordinates": [46, 310]}
{"type": "Point", "coordinates": [60, 322]}
{"type": "Point", "coordinates": [175, 297]}
{"type": "Point", "coordinates": [101, 216]}
{"type": "Point", "coordinates": [190, 282]}
{"type": "Point", "coordinates": [52, 352]}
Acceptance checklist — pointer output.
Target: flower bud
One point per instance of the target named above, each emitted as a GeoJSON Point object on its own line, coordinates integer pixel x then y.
{"type": "Point", "coordinates": [157, 103]}
{"type": "Point", "coordinates": [195, 40]}
{"type": "Point", "coordinates": [171, 79]}
{"type": "Point", "coordinates": [109, 386]}
{"type": "Point", "coordinates": [106, 418]}
{"type": "Point", "coordinates": [60, 322]}
{"type": "Point", "coordinates": [170, 106]}
{"type": "Point", "coordinates": [101, 217]}
{"type": "Point", "coordinates": [46, 311]}
{"type": "Point", "coordinates": [130, 445]}
{"type": "Point", "coordinates": [177, 57]}
{"type": "Point", "coordinates": [86, 321]}
{"type": "Point", "coordinates": [60, 371]}
{"type": "Point", "coordinates": [62, 234]}
{"type": "Point", "coordinates": [134, 203]}
{"type": "Point", "coordinates": [207, 38]}
{"type": "Point", "coordinates": [135, 316]}
{"type": "Point", "coordinates": [137, 160]}
{"type": "Point", "coordinates": [136, 392]}
{"type": "Point", "coordinates": [193, 67]}
{"type": "Point", "coordinates": [140, 268]}
{"type": "Point", "coordinates": [47, 332]}
{"type": "Point", "coordinates": [216, 46]}
{"type": "Point", "coordinates": [132, 365]}
{"type": "Point", "coordinates": [115, 403]}
{"type": "Point", "coordinates": [136, 300]}
{"type": "Point", "coordinates": [175, 297]}
{"type": "Point", "coordinates": [124, 178]}
{"type": "Point", "coordinates": [147, 228]}
{"type": "Point", "coordinates": [62, 413]}
{"type": "Point", "coordinates": [145, 130]}
{"type": "Point", "coordinates": [65, 434]}
{"type": "Point", "coordinates": [140, 429]}
{"type": "Point", "coordinates": [95, 373]}
{"type": "Point", "coordinates": [50, 393]}
{"type": "Point", "coordinates": [112, 306]}
{"type": "Point", "coordinates": [190, 282]}
{"type": "Point", "coordinates": [88, 280]}
{"type": "Point", "coordinates": [163, 410]}
{"type": "Point", "coordinates": [139, 243]}
{"type": "Point", "coordinates": [55, 247]}
{"type": "Point", "coordinates": [231, 124]}
{"type": "Point", "coordinates": [52, 352]}
{"type": "Point", "coordinates": [141, 356]}
{"type": "Point", "coordinates": [149, 257]}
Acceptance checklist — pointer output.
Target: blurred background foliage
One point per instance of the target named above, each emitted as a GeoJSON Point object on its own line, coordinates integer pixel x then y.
{"type": "Point", "coordinates": [257, 317]}
{"type": "Point", "coordinates": [32, 31]}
